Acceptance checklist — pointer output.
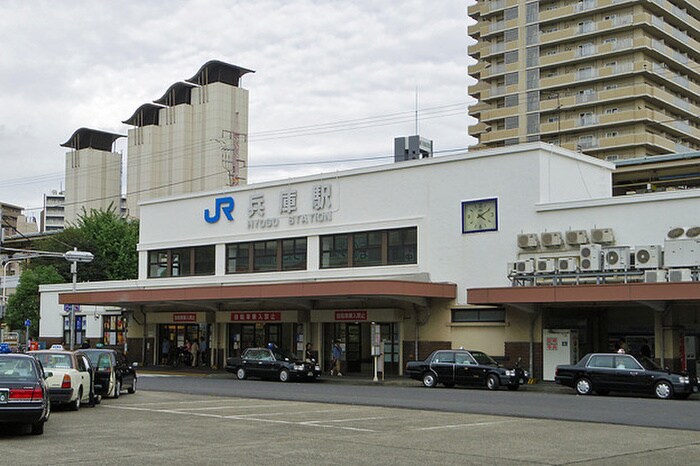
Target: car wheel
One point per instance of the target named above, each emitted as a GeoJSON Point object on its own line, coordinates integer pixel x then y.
{"type": "Point", "coordinates": [75, 405]}
{"type": "Point", "coordinates": [240, 373]}
{"type": "Point", "coordinates": [663, 390]}
{"type": "Point", "coordinates": [38, 428]}
{"type": "Point", "coordinates": [583, 386]}
{"type": "Point", "coordinates": [132, 389]}
{"type": "Point", "coordinates": [513, 388]}
{"type": "Point", "coordinates": [284, 375]}
{"type": "Point", "coordinates": [117, 388]}
{"type": "Point", "coordinates": [429, 380]}
{"type": "Point", "coordinates": [492, 382]}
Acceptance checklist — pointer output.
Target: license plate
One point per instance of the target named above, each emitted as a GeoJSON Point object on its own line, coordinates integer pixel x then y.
{"type": "Point", "coordinates": [310, 374]}
{"type": "Point", "coordinates": [4, 396]}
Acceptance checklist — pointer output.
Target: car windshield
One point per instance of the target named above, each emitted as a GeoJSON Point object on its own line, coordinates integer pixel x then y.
{"type": "Point", "coordinates": [55, 360]}
{"type": "Point", "coordinates": [483, 359]}
{"type": "Point", "coordinates": [649, 364]}
{"type": "Point", "coordinates": [281, 355]}
{"type": "Point", "coordinates": [16, 369]}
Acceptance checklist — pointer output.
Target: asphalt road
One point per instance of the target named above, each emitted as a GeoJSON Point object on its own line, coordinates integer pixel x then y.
{"type": "Point", "coordinates": [168, 428]}
{"type": "Point", "coordinates": [560, 405]}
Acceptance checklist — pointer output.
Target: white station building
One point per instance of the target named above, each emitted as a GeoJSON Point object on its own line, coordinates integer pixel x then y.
{"type": "Point", "coordinates": [521, 252]}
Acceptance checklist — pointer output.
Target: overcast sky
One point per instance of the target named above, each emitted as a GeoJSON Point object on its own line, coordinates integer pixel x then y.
{"type": "Point", "coordinates": [344, 73]}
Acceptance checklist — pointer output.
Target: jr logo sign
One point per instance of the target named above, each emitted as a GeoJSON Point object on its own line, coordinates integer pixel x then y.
{"type": "Point", "coordinates": [223, 204]}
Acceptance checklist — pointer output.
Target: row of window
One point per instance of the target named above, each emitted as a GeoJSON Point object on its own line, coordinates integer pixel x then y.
{"type": "Point", "coordinates": [360, 249]}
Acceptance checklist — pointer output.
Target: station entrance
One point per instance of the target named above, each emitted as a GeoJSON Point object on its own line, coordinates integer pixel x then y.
{"type": "Point", "coordinates": [355, 340]}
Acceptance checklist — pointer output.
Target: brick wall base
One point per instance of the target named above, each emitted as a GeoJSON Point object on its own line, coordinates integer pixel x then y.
{"type": "Point", "coordinates": [424, 349]}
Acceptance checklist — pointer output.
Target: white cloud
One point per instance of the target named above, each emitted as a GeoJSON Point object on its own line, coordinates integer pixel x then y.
{"type": "Point", "coordinates": [68, 64]}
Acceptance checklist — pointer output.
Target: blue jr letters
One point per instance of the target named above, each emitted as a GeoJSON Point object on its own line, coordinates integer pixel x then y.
{"type": "Point", "coordinates": [223, 204]}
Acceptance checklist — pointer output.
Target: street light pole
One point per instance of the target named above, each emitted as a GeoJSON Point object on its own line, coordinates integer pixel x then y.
{"type": "Point", "coordinates": [74, 257]}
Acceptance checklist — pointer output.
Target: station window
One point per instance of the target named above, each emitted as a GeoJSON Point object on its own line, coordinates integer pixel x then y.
{"type": "Point", "coordinates": [370, 248]}
{"type": "Point", "coordinates": [266, 256]}
{"type": "Point", "coordinates": [181, 262]}
{"type": "Point", "coordinates": [478, 315]}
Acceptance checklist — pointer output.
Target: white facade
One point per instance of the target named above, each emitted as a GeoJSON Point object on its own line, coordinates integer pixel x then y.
{"type": "Point", "coordinates": [538, 188]}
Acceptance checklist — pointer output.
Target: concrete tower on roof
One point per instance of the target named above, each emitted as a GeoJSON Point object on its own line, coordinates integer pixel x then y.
{"type": "Point", "coordinates": [93, 173]}
{"type": "Point", "coordinates": [193, 138]}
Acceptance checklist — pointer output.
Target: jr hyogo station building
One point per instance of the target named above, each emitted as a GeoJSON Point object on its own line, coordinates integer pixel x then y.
{"type": "Point", "coordinates": [510, 251]}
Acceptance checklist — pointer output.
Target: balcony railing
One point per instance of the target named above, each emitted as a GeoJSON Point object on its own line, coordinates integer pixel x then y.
{"type": "Point", "coordinates": [587, 120]}
{"type": "Point", "coordinates": [584, 5]}
{"type": "Point", "coordinates": [586, 97]}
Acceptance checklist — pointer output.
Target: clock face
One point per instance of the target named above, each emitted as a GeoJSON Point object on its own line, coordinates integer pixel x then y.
{"type": "Point", "coordinates": [479, 215]}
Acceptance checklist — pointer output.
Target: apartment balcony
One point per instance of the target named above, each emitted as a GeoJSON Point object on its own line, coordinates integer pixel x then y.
{"type": "Point", "coordinates": [494, 6]}
{"type": "Point", "coordinates": [494, 27]}
{"type": "Point", "coordinates": [671, 11]}
{"type": "Point", "coordinates": [498, 113]}
{"type": "Point", "coordinates": [478, 129]}
{"type": "Point", "coordinates": [499, 135]}
{"type": "Point", "coordinates": [565, 12]}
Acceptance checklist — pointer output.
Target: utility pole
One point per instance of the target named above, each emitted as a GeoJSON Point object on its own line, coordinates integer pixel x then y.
{"type": "Point", "coordinates": [231, 155]}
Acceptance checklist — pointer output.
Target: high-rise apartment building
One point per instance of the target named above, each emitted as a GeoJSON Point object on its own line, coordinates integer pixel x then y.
{"type": "Point", "coordinates": [93, 173]}
{"type": "Point", "coordinates": [615, 79]}
{"type": "Point", "coordinates": [194, 138]}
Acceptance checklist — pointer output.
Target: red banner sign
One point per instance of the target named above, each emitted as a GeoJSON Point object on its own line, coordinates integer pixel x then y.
{"type": "Point", "coordinates": [256, 316]}
{"type": "Point", "coordinates": [350, 315]}
{"type": "Point", "coordinates": [188, 317]}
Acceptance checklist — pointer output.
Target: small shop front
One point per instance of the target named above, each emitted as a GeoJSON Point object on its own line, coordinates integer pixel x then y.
{"type": "Point", "coordinates": [177, 330]}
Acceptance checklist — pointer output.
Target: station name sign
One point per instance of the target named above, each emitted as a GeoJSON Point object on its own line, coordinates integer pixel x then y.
{"type": "Point", "coordinates": [185, 317]}
{"type": "Point", "coordinates": [290, 206]}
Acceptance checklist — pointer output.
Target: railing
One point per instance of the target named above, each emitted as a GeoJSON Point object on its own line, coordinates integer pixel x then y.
{"type": "Point", "coordinates": [623, 44]}
{"type": "Point", "coordinates": [623, 20]}
{"type": "Point", "coordinates": [587, 120]}
{"type": "Point", "coordinates": [586, 97]}
{"type": "Point", "coordinates": [586, 74]}
{"type": "Point", "coordinates": [585, 5]}
{"type": "Point", "coordinates": [586, 50]}
{"type": "Point", "coordinates": [497, 26]}
{"type": "Point", "coordinates": [587, 27]}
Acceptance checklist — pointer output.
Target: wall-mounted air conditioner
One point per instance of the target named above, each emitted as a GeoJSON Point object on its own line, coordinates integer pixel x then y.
{"type": "Point", "coordinates": [527, 240]}
{"type": "Point", "coordinates": [648, 257]}
{"type": "Point", "coordinates": [654, 276]}
{"type": "Point", "coordinates": [680, 275]}
{"type": "Point", "coordinates": [576, 237]}
{"type": "Point", "coordinates": [591, 257]}
{"type": "Point", "coordinates": [525, 266]}
{"type": "Point", "coordinates": [683, 252]}
{"type": "Point", "coordinates": [546, 265]}
{"type": "Point", "coordinates": [617, 258]}
{"type": "Point", "coordinates": [567, 264]}
{"type": "Point", "coordinates": [602, 236]}
{"type": "Point", "coordinates": [551, 239]}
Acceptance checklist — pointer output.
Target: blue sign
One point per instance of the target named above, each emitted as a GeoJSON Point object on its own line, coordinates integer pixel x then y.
{"type": "Point", "coordinates": [79, 323]}
{"type": "Point", "coordinates": [27, 323]}
{"type": "Point", "coordinates": [223, 204]}
{"type": "Point", "coordinates": [68, 307]}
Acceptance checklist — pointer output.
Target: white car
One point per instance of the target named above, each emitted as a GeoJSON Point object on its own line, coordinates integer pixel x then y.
{"type": "Point", "coordinates": [71, 380]}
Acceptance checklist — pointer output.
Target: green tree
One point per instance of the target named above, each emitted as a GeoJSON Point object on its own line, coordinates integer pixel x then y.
{"type": "Point", "coordinates": [109, 237]}
{"type": "Point", "coordinates": [24, 304]}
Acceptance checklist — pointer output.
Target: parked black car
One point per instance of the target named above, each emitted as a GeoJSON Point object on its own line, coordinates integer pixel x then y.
{"type": "Point", "coordinates": [603, 373]}
{"type": "Point", "coordinates": [269, 363]}
{"type": "Point", "coordinates": [462, 367]}
{"type": "Point", "coordinates": [24, 396]}
{"type": "Point", "coordinates": [113, 372]}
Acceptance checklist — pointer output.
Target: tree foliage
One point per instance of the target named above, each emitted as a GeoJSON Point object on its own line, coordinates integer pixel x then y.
{"type": "Point", "coordinates": [109, 237]}
{"type": "Point", "coordinates": [24, 304]}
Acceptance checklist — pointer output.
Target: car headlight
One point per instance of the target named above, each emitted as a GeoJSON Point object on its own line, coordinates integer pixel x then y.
{"type": "Point", "coordinates": [510, 372]}
{"type": "Point", "coordinates": [298, 367]}
{"type": "Point", "coordinates": [684, 379]}
{"type": "Point", "coordinates": [318, 368]}
{"type": "Point", "coordinates": [526, 374]}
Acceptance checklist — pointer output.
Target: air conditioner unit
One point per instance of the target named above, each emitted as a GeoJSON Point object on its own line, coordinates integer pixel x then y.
{"type": "Point", "coordinates": [591, 257]}
{"type": "Point", "coordinates": [654, 276]}
{"type": "Point", "coordinates": [576, 237]}
{"type": "Point", "coordinates": [525, 266]}
{"type": "Point", "coordinates": [602, 236]}
{"type": "Point", "coordinates": [675, 233]}
{"type": "Point", "coordinates": [692, 232]}
{"type": "Point", "coordinates": [547, 265]}
{"type": "Point", "coordinates": [648, 257]}
{"type": "Point", "coordinates": [683, 252]}
{"type": "Point", "coordinates": [680, 275]}
{"type": "Point", "coordinates": [527, 241]}
{"type": "Point", "coordinates": [617, 258]}
{"type": "Point", "coordinates": [551, 239]}
{"type": "Point", "coordinates": [567, 264]}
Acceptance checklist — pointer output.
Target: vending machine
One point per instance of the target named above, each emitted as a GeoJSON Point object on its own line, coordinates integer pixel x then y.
{"type": "Point", "coordinates": [689, 354]}
{"type": "Point", "coordinates": [559, 346]}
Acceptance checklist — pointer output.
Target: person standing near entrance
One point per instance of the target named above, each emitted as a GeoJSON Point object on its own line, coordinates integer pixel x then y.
{"type": "Point", "coordinates": [194, 350]}
{"type": "Point", "coordinates": [337, 353]}
{"type": "Point", "coordinates": [165, 351]}
{"type": "Point", "coordinates": [202, 351]}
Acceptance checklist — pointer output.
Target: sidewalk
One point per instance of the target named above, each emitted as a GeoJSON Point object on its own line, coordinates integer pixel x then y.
{"type": "Point", "coordinates": [361, 379]}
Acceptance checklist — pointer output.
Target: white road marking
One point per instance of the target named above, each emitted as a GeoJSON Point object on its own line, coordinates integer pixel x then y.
{"type": "Point", "coordinates": [473, 424]}
{"type": "Point", "coordinates": [232, 407]}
